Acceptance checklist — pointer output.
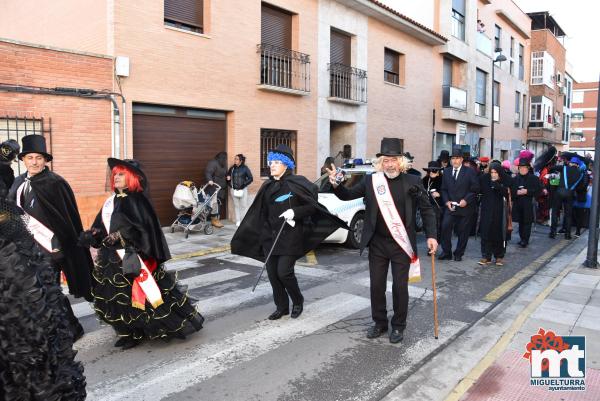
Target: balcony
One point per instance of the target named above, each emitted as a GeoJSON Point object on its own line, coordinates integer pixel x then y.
{"type": "Point", "coordinates": [480, 109]}
{"type": "Point", "coordinates": [347, 84]}
{"type": "Point", "coordinates": [543, 131]}
{"type": "Point", "coordinates": [484, 44]}
{"type": "Point", "coordinates": [546, 126]}
{"type": "Point", "coordinates": [284, 70]}
{"type": "Point", "coordinates": [454, 98]}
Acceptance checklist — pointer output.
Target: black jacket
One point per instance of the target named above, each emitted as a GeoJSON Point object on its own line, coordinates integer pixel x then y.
{"type": "Point", "coordinates": [240, 176]}
{"type": "Point", "coordinates": [256, 232]}
{"type": "Point", "coordinates": [216, 172]}
{"type": "Point", "coordinates": [465, 187]}
{"type": "Point", "coordinates": [414, 196]}
{"type": "Point", "coordinates": [433, 183]}
{"type": "Point", "coordinates": [60, 214]}
{"type": "Point", "coordinates": [7, 178]}
{"type": "Point", "coordinates": [523, 204]}
{"type": "Point", "coordinates": [494, 200]}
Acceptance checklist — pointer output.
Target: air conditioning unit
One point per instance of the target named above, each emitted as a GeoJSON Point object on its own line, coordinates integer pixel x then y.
{"type": "Point", "coordinates": [562, 90]}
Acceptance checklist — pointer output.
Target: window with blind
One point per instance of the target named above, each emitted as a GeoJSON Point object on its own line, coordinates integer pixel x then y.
{"type": "Point", "coordinates": [276, 27]}
{"type": "Point", "coordinates": [269, 139]}
{"type": "Point", "coordinates": [391, 66]}
{"type": "Point", "coordinates": [481, 83]}
{"type": "Point", "coordinates": [185, 14]}
{"type": "Point", "coordinates": [340, 48]}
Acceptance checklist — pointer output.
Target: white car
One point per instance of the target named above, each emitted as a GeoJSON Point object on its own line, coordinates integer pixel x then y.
{"type": "Point", "coordinates": [352, 212]}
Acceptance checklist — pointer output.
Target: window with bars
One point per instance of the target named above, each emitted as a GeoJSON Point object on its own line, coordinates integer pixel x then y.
{"type": "Point", "coordinates": [185, 14]}
{"type": "Point", "coordinates": [391, 68]}
{"type": "Point", "coordinates": [269, 139]}
{"type": "Point", "coordinates": [16, 128]}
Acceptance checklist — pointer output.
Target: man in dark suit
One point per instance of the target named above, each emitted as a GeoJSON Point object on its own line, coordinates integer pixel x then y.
{"type": "Point", "coordinates": [380, 231]}
{"type": "Point", "coordinates": [460, 187]}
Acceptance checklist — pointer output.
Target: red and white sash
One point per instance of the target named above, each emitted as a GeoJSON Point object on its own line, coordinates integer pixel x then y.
{"type": "Point", "coordinates": [42, 234]}
{"type": "Point", "coordinates": [144, 286]}
{"type": "Point", "coordinates": [394, 223]}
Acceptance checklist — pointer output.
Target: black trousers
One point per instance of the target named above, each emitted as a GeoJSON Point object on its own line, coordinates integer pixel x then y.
{"type": "Point", "coordinates": [567, 204]}
{"type": "Point", "coordinates": [74, 324]}
{"type": "Point", "coordinates": [525, 231]}
{"type": "Point", "coordinates": [492, 248]}
{"type": "Point", "coordinates": [382, 252]}
{"type": "Point", "coordinates": [280, 269]}
{"type": "Point", "coordinates": [463, 226]}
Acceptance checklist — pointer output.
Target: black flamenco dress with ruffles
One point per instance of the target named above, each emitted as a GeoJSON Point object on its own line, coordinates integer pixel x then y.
{"type": "Point", "coordinates": [134, 218]}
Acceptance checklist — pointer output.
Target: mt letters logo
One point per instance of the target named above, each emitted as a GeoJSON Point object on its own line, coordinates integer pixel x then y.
{"type": "Point", "coordinates": [557, 362]}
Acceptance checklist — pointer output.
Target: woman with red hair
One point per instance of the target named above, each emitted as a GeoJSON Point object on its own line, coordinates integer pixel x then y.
{"type": "Point", "coordinates": [132, 291]}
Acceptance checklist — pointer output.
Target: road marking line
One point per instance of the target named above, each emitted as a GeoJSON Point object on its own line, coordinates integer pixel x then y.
{"type": "Point", "coordinates": [413, 290]}
{"type": "Point", "coordinates": [218, 249]}
{"type": "Point", "coordinates": [204, 280]}
{"type": "Point", "coordinates": [302, 269]}
{"type": "Point", "coordinates": [515, 280]}
{"type": "Point", "coordinates": [465, 384]}
{"type": "Point", "coordinates": [163, 378]}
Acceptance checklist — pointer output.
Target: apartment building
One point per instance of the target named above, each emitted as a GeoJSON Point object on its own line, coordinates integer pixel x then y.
{"type": "Point", "coordinates": [548, 122]}
{"type": "Point", "coordinates": [201, 76]}
{"type": "Point", "coordinates": [584, 112]}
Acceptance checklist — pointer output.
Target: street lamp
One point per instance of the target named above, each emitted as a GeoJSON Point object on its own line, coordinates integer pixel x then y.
{"type": "Point", "coordinates": [500, 57]}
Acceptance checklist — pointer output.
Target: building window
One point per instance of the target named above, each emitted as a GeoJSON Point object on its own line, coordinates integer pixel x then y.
{"type": "Point", "coordinates": [542, 112]}
{"type": "Point", "coordinates": [185, 14]}
{"type": "Point", "coordinates": [578, 96]}
{"type": "Point", "coordinates": [458, 19]}
{"type": "Point", "coordinates": [393, 68]}
{"type": "Point", "coordinates": [16, 128]}
{"type": "Point", "coordinates": [521, 62]}
{"type": "Point", "coordinates": [517, 109]}
{"type": "Point", "coordinates": [577, 117]}
{"type": "Point", "coordinates": [512, 47]}
{"type": "Point", "coordinates": [269, 139]}
{"type": "Point", "coordinates": [496, 100]}
{"type": "Point", "coordinates": [542, 69]}
{"type": "Point", "coordinates": [536, 112]}
{"type": "Point", "coordinates": [524, 103]}
{"type": "Point", "coordinates": [481, 92]}
{"type": "Point", "coordinates": [565, 128]}
{"type": "Point", "coordinates": [497, 38]}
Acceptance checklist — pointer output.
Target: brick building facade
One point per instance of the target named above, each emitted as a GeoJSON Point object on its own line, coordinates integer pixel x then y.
{"type": "Point", "coordinates": [583, 117]}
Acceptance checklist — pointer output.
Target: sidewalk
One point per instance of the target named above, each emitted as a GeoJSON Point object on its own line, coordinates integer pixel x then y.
{"type": "Point", "coordinates": [569, 307]}
{"type": "Point", "coordinates": [198, 243]}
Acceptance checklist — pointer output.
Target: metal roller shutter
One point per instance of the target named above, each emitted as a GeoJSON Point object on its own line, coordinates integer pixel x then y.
{"type": "Point", "coordinates": [340, 48]}
{"type": "Point", "coordinates": [187, 12]}
{"type": "Point", "coordinates": [276, 27]}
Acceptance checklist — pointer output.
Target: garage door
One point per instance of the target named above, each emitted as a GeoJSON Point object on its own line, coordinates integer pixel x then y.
{"type": "Point", "coordinates": [173, 149]}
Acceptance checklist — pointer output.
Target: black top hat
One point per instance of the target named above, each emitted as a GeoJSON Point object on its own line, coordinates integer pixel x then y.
{"type": "Point", "coordinates": [444, 156]}
{"type": "Point", "coordinates": [433, 166]}
{"type": "Point", "coordinates": [409, 156]}
{"type": "Point", "coordinates": [457, 151]}
{"type": "Point", "coordinates": [390, 147]}
{"type": "Point", "coordinates": [34, 144]}
{"type": "Point", "coordinates": [284, 150]}
{"type": "Point", "coordinates": [132, 165]}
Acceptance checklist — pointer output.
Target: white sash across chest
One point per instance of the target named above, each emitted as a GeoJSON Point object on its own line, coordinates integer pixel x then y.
{"type": "Point", "coordinates": [42, 234]}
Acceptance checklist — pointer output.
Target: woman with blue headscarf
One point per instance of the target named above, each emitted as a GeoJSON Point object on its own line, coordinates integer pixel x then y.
{"type": "Point", "coordinates": [286, 220]}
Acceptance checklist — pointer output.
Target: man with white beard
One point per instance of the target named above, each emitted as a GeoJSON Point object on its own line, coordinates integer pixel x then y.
{"type": "Point", "coordinates": [391, 200]}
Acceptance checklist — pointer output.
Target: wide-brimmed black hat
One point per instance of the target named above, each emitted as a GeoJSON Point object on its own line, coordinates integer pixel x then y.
{"type": "Point", "coordinates": [409, 156]}
{"type": "Point", "coordinates": [34, 144]}
{"type": "Point", "coordinates": [132, 165]}
{"type": "Point", "coordinates": [390, 147]}
{"type": "Point", "coordinates": [284, 150]}
{"type": "Point", "coordinates": [545, 158]}
{"type": "Point", "coordinates": [444, 156]}
{"type": "Point", "coordinates": [457, 151]}
{"type": "Point", "coordinates": [433, 166]}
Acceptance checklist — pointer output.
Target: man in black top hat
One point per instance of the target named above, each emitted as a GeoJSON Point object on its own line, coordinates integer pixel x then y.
{"type": "Point", "coordinates": [286, 218]}
{"type": "Point", "coordinates": [460, 186]}
{"type": "Point", "coordinates": [390, 215]}
{"type": "Point", "coordinates": [54, 220]}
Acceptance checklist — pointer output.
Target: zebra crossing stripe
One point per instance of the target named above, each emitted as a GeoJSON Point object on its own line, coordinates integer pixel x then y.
{"type": "Point", "coordinates": [413, 290]}
{"type": "Point", "coordinates": [163, 378]}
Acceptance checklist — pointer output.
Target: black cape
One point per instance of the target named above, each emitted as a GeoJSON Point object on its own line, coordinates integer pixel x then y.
{"type": "Point", "coordinates": [322, 224]}
{"type": "Point", "coordinates": [494, 210]}
{"type": "Point", "coordinates": [134, 217]}
{"type": "Point", "coordinates": [58, 204]}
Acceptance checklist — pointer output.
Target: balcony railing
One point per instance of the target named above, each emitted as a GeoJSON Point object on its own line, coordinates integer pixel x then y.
{"type": "Point", "coordinates": [542, 124]}
{"type": "Point", "coordinates": [284, 68]}
{"type": "Point", "coordinates": [484, 44]}
{"type": "Point", "coordinates": [480, 109]}
{"type": "Point", "coordinates": [454, 98]}
{"type": "Point", "coordinates": [347, 83]}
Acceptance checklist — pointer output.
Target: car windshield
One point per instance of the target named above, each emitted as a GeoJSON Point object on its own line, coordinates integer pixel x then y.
{"type": "Point", "coordinates": [351, 178]}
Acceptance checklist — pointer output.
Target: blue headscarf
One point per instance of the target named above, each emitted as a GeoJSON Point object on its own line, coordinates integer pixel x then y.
{"type": "Point", "coordinates": [289, 163]}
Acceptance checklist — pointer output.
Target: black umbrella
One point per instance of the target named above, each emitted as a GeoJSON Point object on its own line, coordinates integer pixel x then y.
{"type": "Point", "coordinates": [545, 158]}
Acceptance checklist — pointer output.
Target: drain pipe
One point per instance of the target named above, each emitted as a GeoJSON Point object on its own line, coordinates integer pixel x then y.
{"type": "Point", "coordinates": [124, 108]}
{"type": "Point", "coordinates": [116, 129]}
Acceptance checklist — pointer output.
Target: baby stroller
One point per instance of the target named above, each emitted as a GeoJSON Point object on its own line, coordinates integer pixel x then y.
{"type": "Point", "coordinates": [194, 207]}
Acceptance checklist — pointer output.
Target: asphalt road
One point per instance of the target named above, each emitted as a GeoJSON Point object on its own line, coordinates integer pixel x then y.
{"type": "Point", "coordinates": [324, 354]}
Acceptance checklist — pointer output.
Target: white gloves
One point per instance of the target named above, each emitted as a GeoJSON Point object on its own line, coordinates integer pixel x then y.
{"type": "Point", "coordinates": [288, 215]}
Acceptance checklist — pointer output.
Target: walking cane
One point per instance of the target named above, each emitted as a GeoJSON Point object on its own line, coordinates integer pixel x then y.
{"type": "Point", "coordinates": [435, 314]}
{"type": "Point", "coordinates": [269, 255]}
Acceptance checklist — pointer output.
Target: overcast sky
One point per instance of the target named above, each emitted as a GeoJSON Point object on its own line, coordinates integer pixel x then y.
{"type": "Point", "coordinates": [580, 21]}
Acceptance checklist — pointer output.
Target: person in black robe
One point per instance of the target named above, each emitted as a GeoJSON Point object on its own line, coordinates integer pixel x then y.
{"type": "Point", "coordinates": [525, 188]}
{"type": "Point", "coordinates": [572, 179]}
{"type": "Point", "coordinates": [37, 360]}
{"type": "Point", "coordinates": [48, 198]}
{"type": "Point", "coordinates": [127, 233]}
{"type": "Point", "coordinates": [494, 209]}
{"type": "Point", "coordinates": [432, 183]}
{"type": "Point", "coordinates": [8, 153]}
{"type": "Point", "coordinates": [408, 195]}
{"type": "Point", "coordinates": [285, 203]}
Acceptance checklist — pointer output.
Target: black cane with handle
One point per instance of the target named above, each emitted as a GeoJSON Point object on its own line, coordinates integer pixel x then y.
{"type": "Point", "coordinates": [269, 255]}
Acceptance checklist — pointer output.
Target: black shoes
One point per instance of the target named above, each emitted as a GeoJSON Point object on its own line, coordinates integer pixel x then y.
{"type": "Point", "coordinates": [396, 336]}
{"type": "Point", "coordinates": [296, 311]}
{"type": "Point", "coordinates": [376, 331]}
{"type": "Point", "coordinates": [126, 342]}
{"type": "Point", "coordinates": [523, 244]}
{"type": "Point", "coordinates": [445, 256]}
{"type": "Point", "coordinates": [552, 234]}
{"type": "Point", "coordinates": [562, 231]}
{"type": "Point", "coordinates": [568, 236]}
{"type": "Point", "coordinates": [77, 332]}
{"type": "Point", "coordinates": [278, 314]}
{"type": "Point", "coordinates": [577, 234]}
{"type": "Point", "coordinates": [457, 258]}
